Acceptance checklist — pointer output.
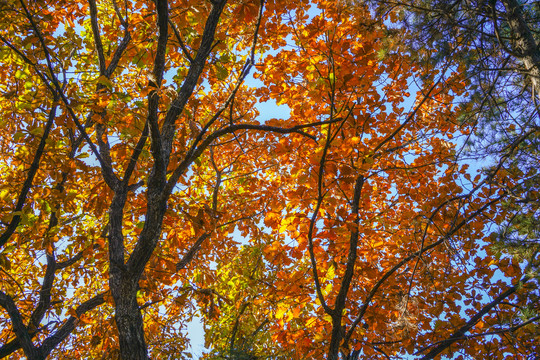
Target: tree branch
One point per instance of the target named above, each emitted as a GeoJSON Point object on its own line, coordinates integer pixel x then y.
{"type": "Point", "coordinates": [135, 155]}
{"type": "Point", "coordinates": [53, 340]}
{"type": "Point", "coordinates": [108, 173]}
{"type": "Point", "coordinates": [19, 328]}
{"type": "Point", "coordinates": [192, 77]}
{"type": "Point", "coordinates": [29, 177]}
{"type": "Point", "coordinates": [313, 220]}
{"type": "Point", "coordinates": [160, 164]}
{"type": "Point", "coordinates": [184, 165]}
{"type": "Point", "coordinates": [472, 322]}
{"type": "Point", "coordinates": [396, 267]}
{"type": "Point", "coordinates": [186, 259]}
{"type": "Point", "coordinates": [97, 36]}
{"type": "Point", "coordinates": [44, 294]}
{"type": "Point", "coordinates": [180, 42]}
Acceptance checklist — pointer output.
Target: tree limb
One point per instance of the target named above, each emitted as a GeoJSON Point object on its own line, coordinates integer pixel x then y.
{"type": "Point", "coordinates": [443, 345]}
{"type": "Point", "coordinates": [32, 171]}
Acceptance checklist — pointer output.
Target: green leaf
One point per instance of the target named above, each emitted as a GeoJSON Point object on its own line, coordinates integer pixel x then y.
{"type": "Point", "coordinates": [4, 262]}
{"type": "Point", "coordinates": [332, 78]}
{"type": "Point", "coordinates": [37, 131]}
{"type": "Point", "coordinates": [221, 72]}
{"type": "Point", "coordinates": [103, 80]}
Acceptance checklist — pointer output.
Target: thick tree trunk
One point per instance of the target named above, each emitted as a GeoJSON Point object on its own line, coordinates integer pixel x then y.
{"type": "Point", "coordinates": [123, 285]}
{"type": "Point", "coordinates": [130, 326]}
{"type": "Point", "coordinates": [335, 339]}
{"type": "Point", "coordinates": [524, 43]}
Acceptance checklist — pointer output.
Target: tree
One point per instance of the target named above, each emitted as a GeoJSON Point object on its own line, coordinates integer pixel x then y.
{"type": "Point", "coordinates": [104, 92]}
{"type": "Point", "coordinates": [497, 41]}
{"type": "Point", "coordinates": [134, 161]}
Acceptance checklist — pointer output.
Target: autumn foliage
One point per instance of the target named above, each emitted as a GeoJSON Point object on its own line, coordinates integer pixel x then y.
{"type": "Point", "coordinates": [144, 184]}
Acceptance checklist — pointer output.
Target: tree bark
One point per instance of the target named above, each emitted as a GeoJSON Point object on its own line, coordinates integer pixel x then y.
{"type": "Point", "coordinates": [524, 43]}
{"type": "Point", "coordinates": [129, 322]}
{"type": "Point", "coordinates": [20, 330]}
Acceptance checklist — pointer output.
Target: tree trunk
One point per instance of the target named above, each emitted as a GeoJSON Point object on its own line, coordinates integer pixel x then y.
{"type": "Point", "coordinates": [123, 285]}
{"type": "Point", "coordinates": [130, 326]}
{"type": "Point", "coordinates": [524, 43]}
{"type": "Point", "coordinates": [335, 339]}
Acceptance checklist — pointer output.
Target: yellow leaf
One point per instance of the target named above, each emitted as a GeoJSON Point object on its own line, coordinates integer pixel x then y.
{"type": "Point", "coordinates": [281, 310]}
{"type": "Point", "coordinates": [330, 272]}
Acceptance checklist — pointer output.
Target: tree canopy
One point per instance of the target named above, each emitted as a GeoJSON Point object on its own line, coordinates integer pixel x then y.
{"type": "Point", "coordinates": [392, 214]}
